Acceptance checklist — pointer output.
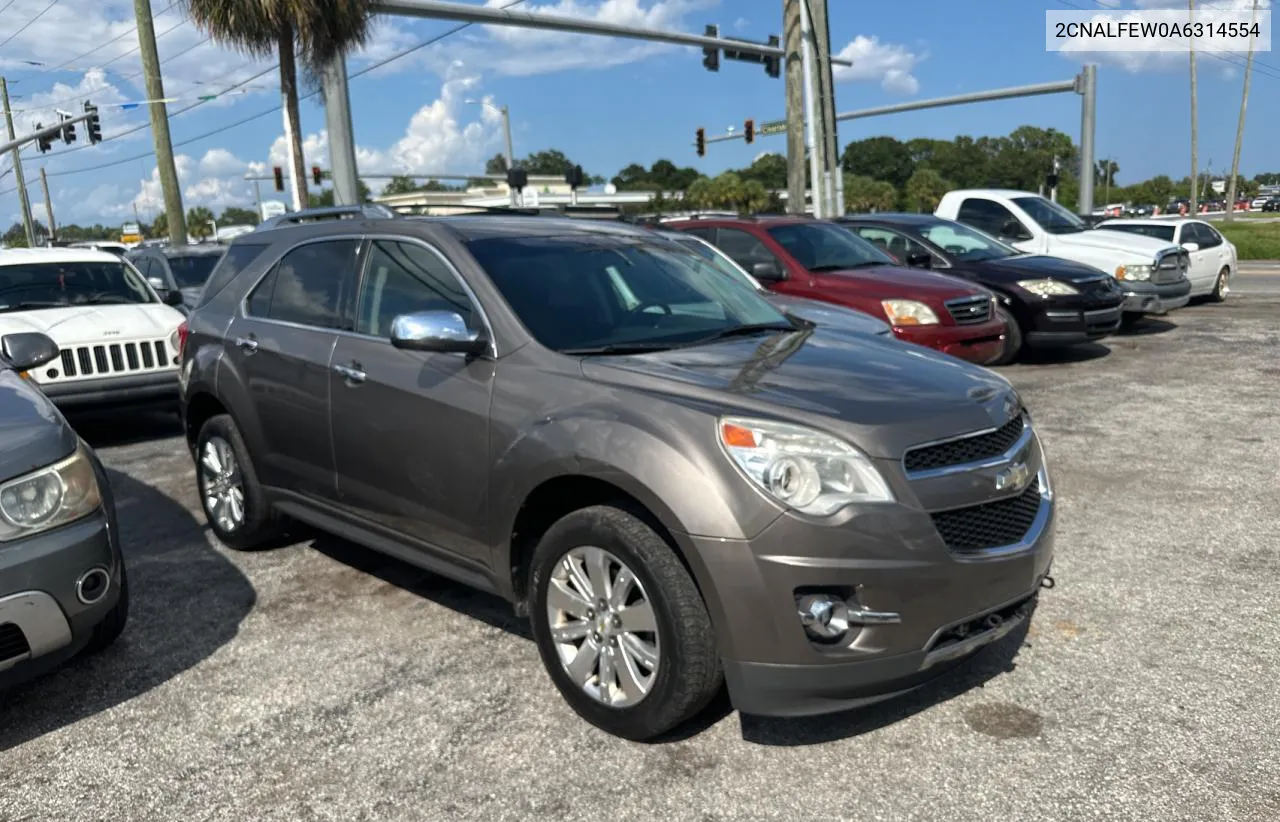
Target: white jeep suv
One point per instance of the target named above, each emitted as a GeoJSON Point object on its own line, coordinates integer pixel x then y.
{"type": "Point", "coordinates": [118, 340]}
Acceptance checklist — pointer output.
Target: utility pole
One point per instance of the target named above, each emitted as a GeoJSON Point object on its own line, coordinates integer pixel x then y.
{"type": "Point", "coordinates": [160, 124]}
{"type": "Point", "coordinates": [1088, 86]}
{"type": "Point", "coordinates": [794, 79]}
{"type": "Point", "coordinates": [1053, 190]}
{"type": "Point", "coordinates": [1244, 103]}
{"type": "Point", "coordinates": [1195, 166]}
{"type": "Point", "coordinates": [834, 177]}
{"type": "Point", "coordinates": [812, 125]}
{"type": "Point", "coordinates": [17, 167]}
{"type": "Point", "coordinates": [511, 157]}
{"type": "Point", "coordinates": [48, 206]}
{"type": "Point", "coordinates": [342, 146]}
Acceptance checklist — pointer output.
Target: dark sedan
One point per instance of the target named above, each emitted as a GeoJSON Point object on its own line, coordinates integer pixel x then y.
{"type": "Point", "coordinates": [1047, 302]}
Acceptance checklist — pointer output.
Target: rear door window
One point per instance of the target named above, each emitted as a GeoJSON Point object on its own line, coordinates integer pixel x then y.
{"type": "Point", "coordinates": [305, 287]}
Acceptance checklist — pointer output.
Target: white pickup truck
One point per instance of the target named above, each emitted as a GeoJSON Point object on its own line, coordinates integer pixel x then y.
{"type": "Point", "coordinates": [1153, 273]}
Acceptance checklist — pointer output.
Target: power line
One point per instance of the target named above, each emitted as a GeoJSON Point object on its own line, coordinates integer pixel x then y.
{"type": "Point", "coordinates": [93, 50]}
{"type": "Point", "coordinates": [367, 69]}
{"type": "Point", "coordinates": [29, 22]}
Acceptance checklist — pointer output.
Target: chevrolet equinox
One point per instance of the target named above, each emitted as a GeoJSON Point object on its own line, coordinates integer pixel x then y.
{"type": "Point", "coordinates": [682, 487]}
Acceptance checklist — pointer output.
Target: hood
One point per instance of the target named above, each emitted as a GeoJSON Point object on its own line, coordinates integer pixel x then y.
{"type": "Point", "coordinates": [1145, 247]}
{"type": "Point", "coordinates": [881, 394]}
{"type": "Point", "coordinates": [1038, 266]}
{"type": "Point", "coordinates": [888, 282]}
{"type": "Point", "coordinates": [89, 323]}
{"type": "Point", "coordinates": [828, 314]}
{"type": "Point", "coordinates": [33, 433]}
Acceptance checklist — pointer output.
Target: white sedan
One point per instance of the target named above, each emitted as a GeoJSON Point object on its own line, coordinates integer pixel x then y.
{"type": "Point", "coordinates": [1214, 260]}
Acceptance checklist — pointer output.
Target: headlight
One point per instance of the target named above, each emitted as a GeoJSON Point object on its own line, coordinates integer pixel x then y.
{"type": "Point", "coordinates": [47, 498]}
{"type": "Point", "coordinates": [1134, 272]}
{"type": "Point", "coordinates": [804, 469]}
{"type": "Point", "coordinates": [909, 312]}
{"type": "Point", "coordinates": [1044, 470]}
{"type": "Point", "coordinates": [175, 341]}
{"type": "Point", "coordinates": [1047, 288]}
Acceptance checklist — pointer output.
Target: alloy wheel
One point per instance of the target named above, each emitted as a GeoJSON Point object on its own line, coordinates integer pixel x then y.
{"type": "Point", "coordinates": [221, 485]}
{"type": "Point", "coordinates": [603, 626]}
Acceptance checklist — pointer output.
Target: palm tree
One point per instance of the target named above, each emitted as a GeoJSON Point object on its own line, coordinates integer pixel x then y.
{"type": "Point", "coordinates": [293, 29]}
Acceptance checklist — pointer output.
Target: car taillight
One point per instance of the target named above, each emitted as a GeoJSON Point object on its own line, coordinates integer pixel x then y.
{"type": "Point", "coordinates": [183, 331]}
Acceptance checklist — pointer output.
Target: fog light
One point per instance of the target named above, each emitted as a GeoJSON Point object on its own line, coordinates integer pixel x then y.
{"type": "Point", "coordinates": [823, 616]}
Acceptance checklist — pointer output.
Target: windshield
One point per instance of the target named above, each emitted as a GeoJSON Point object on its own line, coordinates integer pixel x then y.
{"type": "Point", "coordinates": [717, 259]}
{"type": "Point", "coordinates": [965, 243]}
{"type": "Point", "coordinates": [191, 270]}
{"type": "Point", "coordinates": [33, 286]}
{"type": "Point", "coordinates": [1051, 216]}
{"type": "Point", "coordinates": [825, 247]}
{"type": "Point", "coordinates": [1160, 232]}
{"type": "Point", "coordinates": [589, 293]}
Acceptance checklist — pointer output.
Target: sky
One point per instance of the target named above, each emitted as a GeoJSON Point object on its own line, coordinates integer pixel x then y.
{"type": "Point", "coordinates": [604, 102]}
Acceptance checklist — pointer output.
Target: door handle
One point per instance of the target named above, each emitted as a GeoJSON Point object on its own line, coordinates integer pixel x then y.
{"type": "Point", "coordinates": [352, 374]}
{"type": "Point", "coordinates": [249, 345]}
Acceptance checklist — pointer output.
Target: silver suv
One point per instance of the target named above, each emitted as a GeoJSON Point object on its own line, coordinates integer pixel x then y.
{"type": "Point", "coordinates": [680, 485]}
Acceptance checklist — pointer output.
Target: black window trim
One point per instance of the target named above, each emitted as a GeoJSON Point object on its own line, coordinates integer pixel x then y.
{"type": "Point", "coordinates": [927, 245]}
{"type": "Point", "coordinates": [345, 306]}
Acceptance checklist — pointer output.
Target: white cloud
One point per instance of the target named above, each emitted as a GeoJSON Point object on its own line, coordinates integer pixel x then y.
{"type": "Point", "coordinates": [888, 63]}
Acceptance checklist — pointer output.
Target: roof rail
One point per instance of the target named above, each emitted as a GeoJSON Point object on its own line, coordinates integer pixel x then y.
{"type": "Point", "coordinates": [368, 211]}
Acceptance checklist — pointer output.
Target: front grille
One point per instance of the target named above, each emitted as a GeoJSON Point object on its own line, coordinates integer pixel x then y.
{"type": "Point", "coordinates": [1171, 268]}
{"type": "Point", "coordinates": [966, 449]}
{"type": "Point", "coordinates": [114, 358]}
{"type": "Point", "coordinates": [13, 643]}
{"type": "Point", "coordinates": [990, 525]}
{"type": "Point", "coordinates": [969, 310]}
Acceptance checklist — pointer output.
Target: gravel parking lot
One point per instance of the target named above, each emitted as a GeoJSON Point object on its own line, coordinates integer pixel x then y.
{"type": "Point", "coordinates": [320, 681]}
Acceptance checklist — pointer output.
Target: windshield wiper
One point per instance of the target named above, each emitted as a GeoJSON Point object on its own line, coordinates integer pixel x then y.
{"type": "Point", "coordinates": [743, 331]}
{"type": "Point", "coordinates": [618, 348]}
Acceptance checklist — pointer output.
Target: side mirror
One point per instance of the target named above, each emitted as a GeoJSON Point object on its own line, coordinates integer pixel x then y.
{"type": "Point", "coordinates": [438, 331]}
{"type": "Point", "coordinates": [1014, 230]}
{"type": "Point", "coordinates": [28, 349]}
{"type": "Point", "coordinates": [766, 271]}
{"type": "Point", "coordinates": [920, 259]}
{"type": "Point", "coordinates": [173, 298]}
{"type": "Point", "coordinates": [1191, 246]}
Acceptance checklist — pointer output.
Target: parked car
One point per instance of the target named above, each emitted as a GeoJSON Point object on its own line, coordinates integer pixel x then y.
{"type": "Point", "coordinates": [118, 340]}
{"type": "Point", "coordinates": [63, 586]}
{"type": "Point", "coordinates": [118, 249]}
{"type": "Point", "coordinates": [814, 259]}
{"type": "Point", "coordinates": [1152, 272]}
{"type": "Point", "coordinates": [814, 517]}
{"type": "Point", "coordinates": [1273, 204]}
{"type": "Point", "coordinates": [1046, 302]}
{"type": "Point", "coordinates": [814, 311]}
{"type": "Point", "coordinates": [1214, 258]}
{"type": "Point", "coordinates": [181, 268]}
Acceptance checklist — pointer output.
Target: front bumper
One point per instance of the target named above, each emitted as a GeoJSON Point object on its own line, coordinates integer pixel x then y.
{"type": "Point", "coordinates": [1147, 298]}
{"type": "Point", "coordinates": [980, 343]}
{"type": "Point", "coordinates": [130, 390]}
{"type": "Point", "coordinates": [1072, 320]}
{"type": "Point", "coordinates": [38, 594]}
{"type": "Point", "coordinates": [925, 603]}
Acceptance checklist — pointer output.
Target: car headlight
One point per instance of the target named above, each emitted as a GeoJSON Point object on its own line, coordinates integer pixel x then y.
{"type": "Point", "coordinates": [1047, 288]}
{"type": "Point", "coordinates": [52, 496]}
{"type": "Point", "coordinates": [908, 312]}
{"type": "Point", "coordinates": [1047, 490]}
{"type": "Point", "coordinates": [807, 470]}
{"type": "Point", "coordinates": [175, 341]}
{"type": "Point", "coordinates": [1134, 272]}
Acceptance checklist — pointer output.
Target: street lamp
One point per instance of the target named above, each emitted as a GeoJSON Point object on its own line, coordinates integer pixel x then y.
{"type": "Point", "coordinates": [506, 133]}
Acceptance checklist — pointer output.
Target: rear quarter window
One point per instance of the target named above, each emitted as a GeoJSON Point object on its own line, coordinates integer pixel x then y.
{"type": "Point", "coordinates": [237, 258]}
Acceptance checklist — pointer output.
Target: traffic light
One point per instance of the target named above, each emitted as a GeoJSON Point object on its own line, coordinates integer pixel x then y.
{"type": "Point", "coordinates": [92, 126]}
{"type": "Point", "coordinates": [772, 63]}
{"type": "Point", "coordinates": [749, 131]}
{"type": "Point", "coordinates": [574, 177]}
{"type": "Point", "coordinates": [69, 133]}
{"type": "Point", "coordinates": [700, 141]}
{"type": "Point", "coordinates": [1051, 180]}
{"type": "Point", "coordinates": [316, 176]}
{"type": "Point", "coordinates": [711, 54]}
{"type": "Point", "coordinates": [517, 178]}
{"type": "Point", "coordinates": [279, 178]}
{"type": "Point", "coordinates": [43, 141]}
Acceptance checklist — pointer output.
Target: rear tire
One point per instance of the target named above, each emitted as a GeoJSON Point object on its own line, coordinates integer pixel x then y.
{"type": "Point", "coordinates": [635, 676]}
{"type": "Point", "coordinates": [1221, 287]}
{"type": "Point", "coordinates": [1012, 338]}
{"type": "Point", "coordinates": [230, 495]}
{"type": "Point", "coordinates": [106, 632]}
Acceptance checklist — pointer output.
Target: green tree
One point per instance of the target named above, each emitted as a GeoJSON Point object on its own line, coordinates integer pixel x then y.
{"type": "Point", "coordinates": [200, 222]}
{"type": "Point", "coordinates": [862, 193]}
{"type": "Point", "coordinates": [160, 228]}
{"type": "Point", "coordinates": [291, 29]}
{"type": "Point", "coordinates": [924, 190]}
{"type": "Point", "coordinates": [234, 215]}
{"type": "Point", "coordinates": [497, 164]}
{"type": "Point", "coordinates": [770, 170]}
{"type": "Point", "coordinates": [880, 158]}
{"type": "Point", "coordinates": [401, 184]}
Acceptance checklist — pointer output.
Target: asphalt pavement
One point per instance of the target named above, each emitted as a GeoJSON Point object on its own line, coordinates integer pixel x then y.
{"type": "Point", "coordinates": [322, 682]}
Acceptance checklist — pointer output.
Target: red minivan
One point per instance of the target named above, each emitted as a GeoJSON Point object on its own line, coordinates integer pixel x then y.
{"type": "Point", "coordinates": [819, 260]}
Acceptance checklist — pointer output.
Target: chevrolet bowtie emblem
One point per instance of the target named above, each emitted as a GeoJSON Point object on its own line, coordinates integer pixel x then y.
{"type": "Point", "coordinates": [1015, 476]}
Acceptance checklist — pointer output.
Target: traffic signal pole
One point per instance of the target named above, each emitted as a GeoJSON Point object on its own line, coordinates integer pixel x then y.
{"type": "Point", "coordinates": [48, 206]}
{"type": "Point", "coordinates": [17, 166]}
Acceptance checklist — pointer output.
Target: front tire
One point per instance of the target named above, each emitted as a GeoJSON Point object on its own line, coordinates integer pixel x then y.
{"type": "Point", "coordinates": [230, 494]}
{"type": "Point", "coordinates": [1012, 338]}
{"type": "Point", "coordinates": [620, 624]}
{"type": "Point", "coordinates": [1221, 287]}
